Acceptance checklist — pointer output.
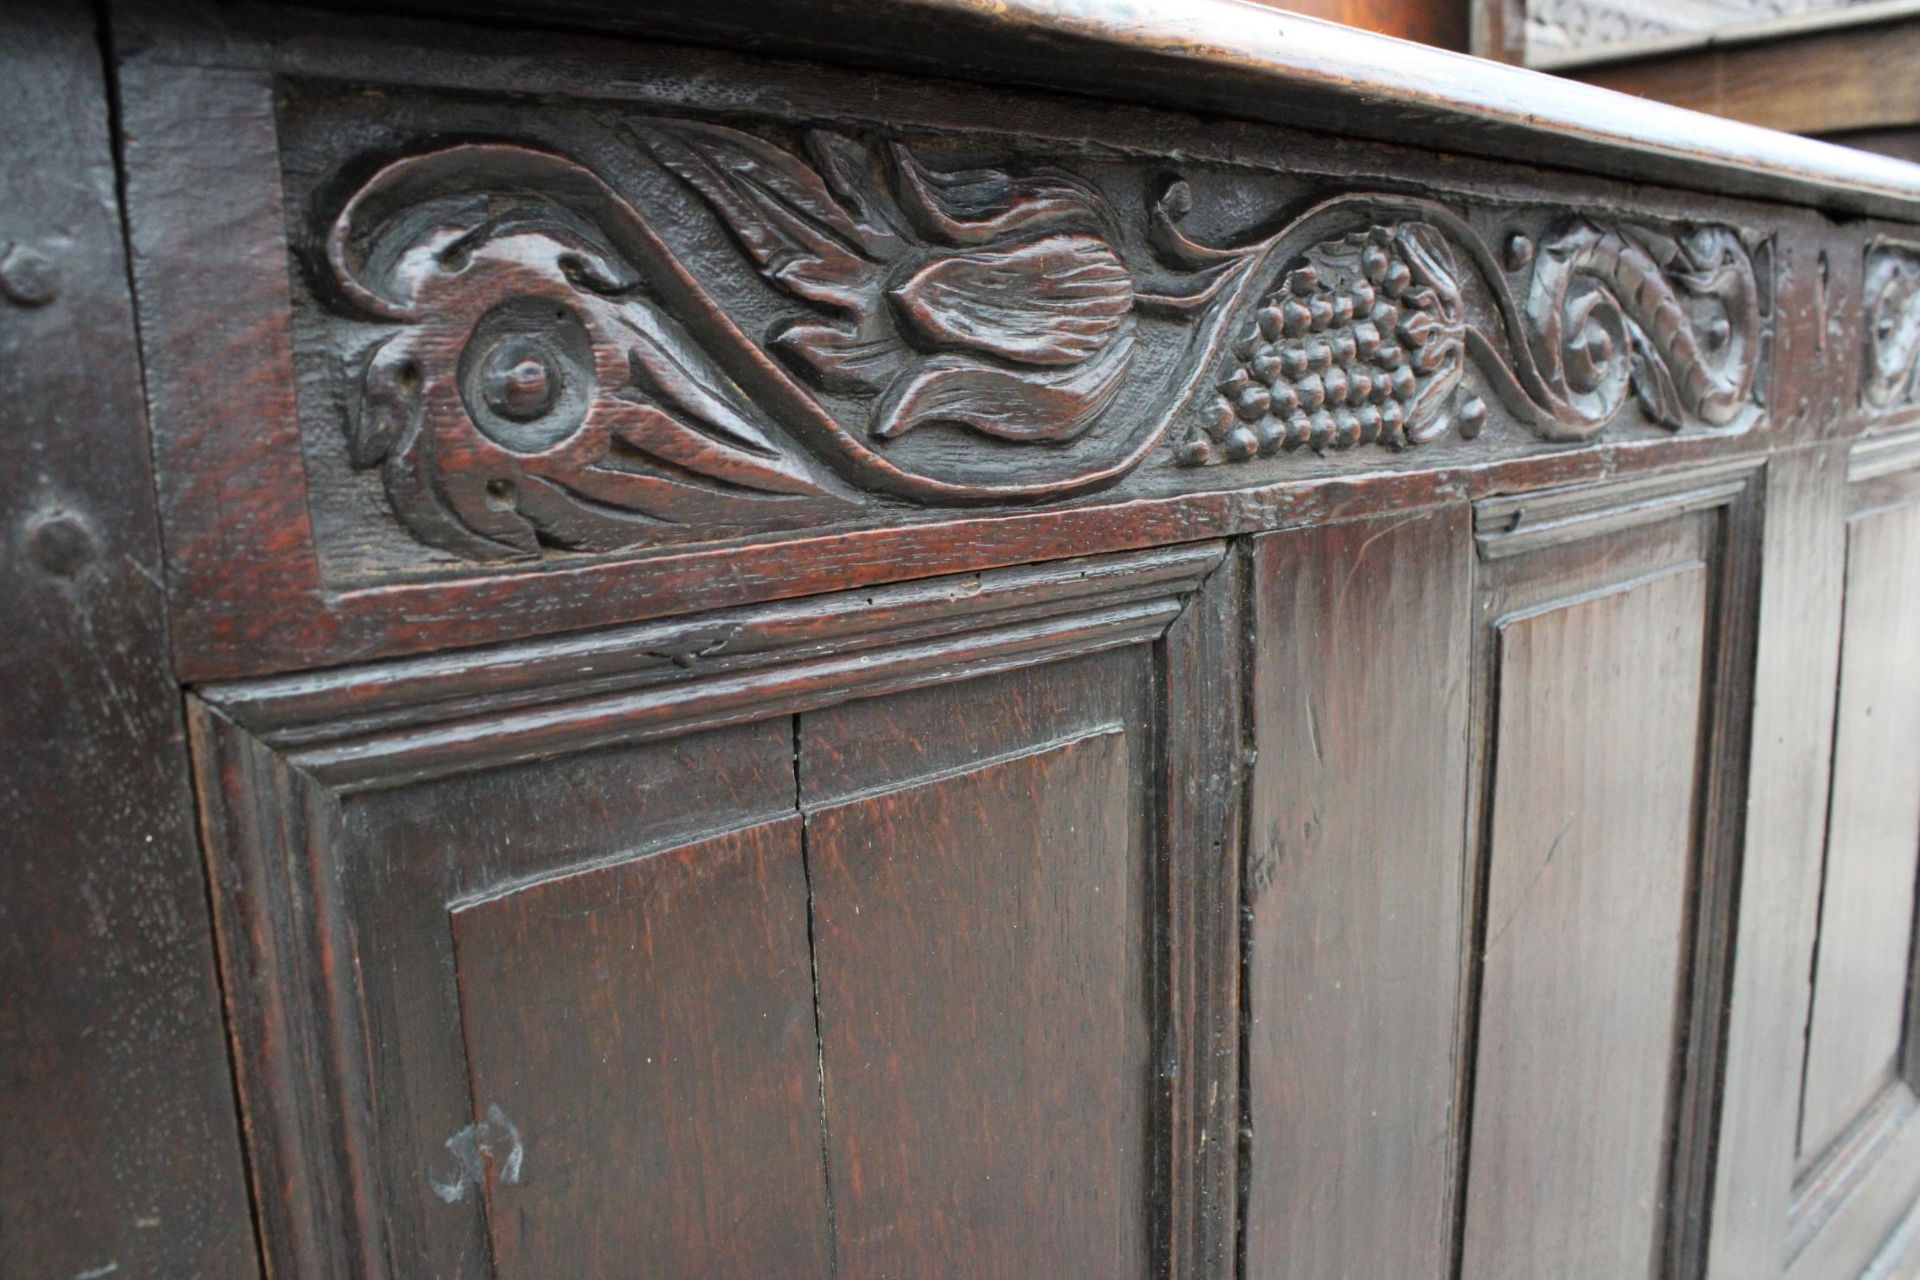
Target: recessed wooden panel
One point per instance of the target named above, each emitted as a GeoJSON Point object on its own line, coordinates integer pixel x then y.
{"type": "Point", "coordinates": [1355, 875]}
{"type": "Point", "coordinates": [644, 1072]}
{"type": "Point", "coordinates": [982, 951]}
{"type": "Point", "coordinates": [1783, 825]}
{"type": "Point", "coordinates": [521, 942]}
{"type": "Point", "coordinates": [407, 855]}
{"type": "Point", "coordinates": [1860, 974]}
{"type": "Point", "coordinates": [1597, 735]}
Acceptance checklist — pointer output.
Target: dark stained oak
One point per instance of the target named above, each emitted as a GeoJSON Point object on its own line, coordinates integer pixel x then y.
{"type": "Point", "coordinates": [1356, 879]}
{"type": "Point", "coordinates": [640, 1040]}
{"type": "Point", "coordinates": [943, 638]}
{"type": "Point", "coordinates": [983, 1018]}
{"type": "Point", "coordinates": [1223, 56]}
{"type": "Point", "coordinates": [1612, 722]}
{"type": "Point", "coordinates": [725, 396]}
{"type": "Point", "coordinates": [1590, 835]}
{"type": "Point", "coordinates": [535, 939]}
{"type": "Point", "coordinates": [983, 880]}
{"type": "Point", "coordinates": [119, 1151]}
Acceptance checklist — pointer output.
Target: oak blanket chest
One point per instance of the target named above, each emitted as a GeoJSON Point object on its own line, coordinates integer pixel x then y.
{"type": "Point", "coordinates": [943, 639]}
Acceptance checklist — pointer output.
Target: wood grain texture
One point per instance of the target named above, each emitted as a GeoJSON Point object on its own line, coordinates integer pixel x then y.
{"type": "Point", "coordinates": [1356, 884]}
{"type": "Point", "coordinates": [983, 876]}
{"type": "Point", "coordinates": [741, 766]}
{"type": "Point", "coordinates": [447, 714]}
{"type": "Point", "coordinates": [120, 1153]}
{"type": "Point", "coordinates": [640, 1040]}
{"type": "Point", "coordinates": [984, 1019]}
{"type": "Point", "coordinates": [1853, 1226]}
{"type": "Point", "coordinates": [372, 1036]}
{"type": "Point", "coordinates": [1796, 665]}
{"type": "Point", "coordinates": [1591, 847]}
{"type": "Point", "coordinates": [333, 910]}
{"type": "Point", "coordinates": [1542, 550]}
{"type": "Point", "coordinates": [1201, 675]}
{"type": "Point", "coordinates": [1857, 1027]}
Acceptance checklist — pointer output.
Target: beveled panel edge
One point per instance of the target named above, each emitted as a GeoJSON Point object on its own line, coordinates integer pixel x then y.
{"type": "Point", "coordinates": [1512, 524]}
{"type": "Point", "coordinates": [1826, 1185]}
{"type": "Point", "coordinates": [1878, 456]}
{"type": "Point", "coordinates": [1734, 493]}
{"type": "Point", "coordinates": [387, 724]}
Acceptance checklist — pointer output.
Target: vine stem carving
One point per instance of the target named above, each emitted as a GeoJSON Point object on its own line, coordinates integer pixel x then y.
{"type": "Point", "coordinates": [1365, 337]}
{"type": "Point", "coordinates": [560, 369]}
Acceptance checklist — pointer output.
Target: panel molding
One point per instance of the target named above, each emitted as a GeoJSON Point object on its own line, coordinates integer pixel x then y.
{"type": "Point", "coordinates": [277, 760]}
{"type": "Point", "coordinates": [1586, 859]}
{"type": "Point", "coordinates": [1533, 554]}
{"type": "Point", "coordinates": [1854, 1191]}
{"type": "Point", "coordinates": [1819, 1195]}
{"type": "Point", "coordinates": [405, 721]}
{"type": "Point", "coordinates": [1515, 524]}
{"type": "Point", "coordinates": [1796, 657]}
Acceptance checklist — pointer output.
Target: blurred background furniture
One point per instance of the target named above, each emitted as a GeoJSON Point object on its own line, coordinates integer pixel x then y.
{"type": "Point", "coordinates": [1844, 72]}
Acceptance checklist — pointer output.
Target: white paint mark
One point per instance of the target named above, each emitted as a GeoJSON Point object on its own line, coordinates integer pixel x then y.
{"type": "Point", "coordinates": [94, 1273]}
{"type": "Point", "coordinates": [490, 1143]}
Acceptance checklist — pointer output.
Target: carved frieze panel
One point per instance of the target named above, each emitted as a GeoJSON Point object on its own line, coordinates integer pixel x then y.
{"type": "Point", "coordinates": [1890, 375]}
{"type": "Point", "coordinates": [683, 330]}
{"type": "Point", "coordinates": [1366, 338]}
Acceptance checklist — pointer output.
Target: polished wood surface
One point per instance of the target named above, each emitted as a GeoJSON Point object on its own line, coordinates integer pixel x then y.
{"type": "Point", "coordinates": [982, 976]}
{"type": "Point", "coordinates": [934, 639]}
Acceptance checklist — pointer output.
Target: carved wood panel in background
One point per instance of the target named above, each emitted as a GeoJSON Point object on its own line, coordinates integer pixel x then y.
{"type": "Point", "coordinates": [554, 367]}
{"type": "Point", "coordinates": [1890, 377]}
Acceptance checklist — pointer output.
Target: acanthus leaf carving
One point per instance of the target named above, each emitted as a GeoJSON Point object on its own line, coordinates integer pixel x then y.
{"type": "Point", "coordinates": [562, 374]}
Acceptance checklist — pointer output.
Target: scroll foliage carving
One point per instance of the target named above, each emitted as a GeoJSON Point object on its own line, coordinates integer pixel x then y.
{"type": "Point", "coordinates": [1366, 339]}
{"type": "Point", "coordinates": [537, 390]}
{"type": "Point", "coordinates": [566, 369]}
{"type": "Point", "coordinates": [1891, 378]}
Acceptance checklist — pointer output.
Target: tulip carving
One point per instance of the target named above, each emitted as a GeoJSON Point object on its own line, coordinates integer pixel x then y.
{"type": "Point", "coordinates": [970, 298]}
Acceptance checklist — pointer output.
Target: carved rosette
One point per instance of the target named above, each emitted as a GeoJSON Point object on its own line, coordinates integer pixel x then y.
{"type": "Point", "coordinates": [562, 368]}
{"type": "Point", "coordinates": [1891, 377]}
{"type": "Point", "coordinates": [535, 391]}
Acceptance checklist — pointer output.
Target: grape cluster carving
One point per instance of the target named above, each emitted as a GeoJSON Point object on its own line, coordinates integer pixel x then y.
{"type": "Point", "coordinates": [1359, 344]}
